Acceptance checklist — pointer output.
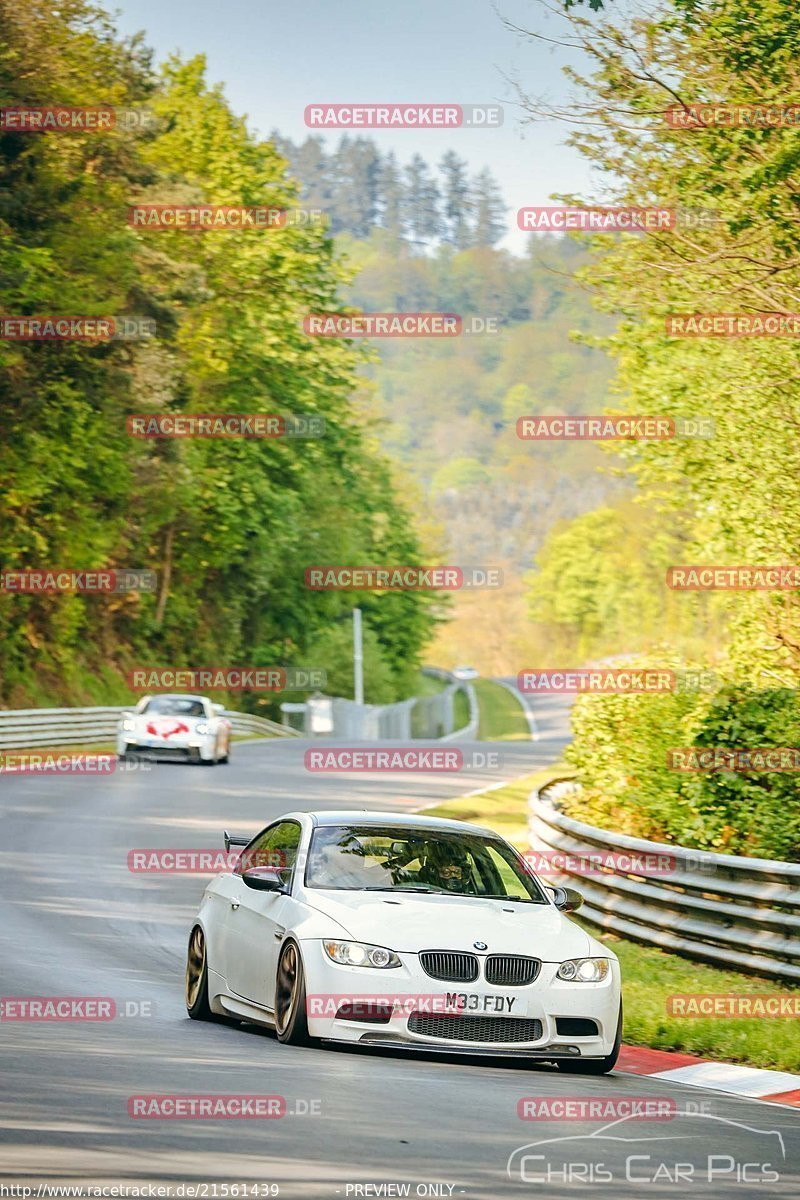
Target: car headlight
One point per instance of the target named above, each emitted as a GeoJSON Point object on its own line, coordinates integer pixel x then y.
{"type": "Point", "coordinates": [583, 970]}
{"type": "Point", "coordinates": [359, 954]}
{"type": "Point", "coordinates": [202, 727]}
{"type": "Point", "coordinates": [128, 726]}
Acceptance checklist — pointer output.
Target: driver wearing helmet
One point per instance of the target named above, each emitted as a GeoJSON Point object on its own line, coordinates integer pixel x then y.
{"type": "Point", "coordinates": [447, 867]}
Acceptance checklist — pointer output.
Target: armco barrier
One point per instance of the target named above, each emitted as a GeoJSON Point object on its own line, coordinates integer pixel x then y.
{"type": "Point", "coordinates": [25, 728]}
{"type": "Point", "coordinates": [466, 732]}
{"type": "Point", "coordinates": [21, 729]}
{"type": "Point", "coordinates": [431, 717]}
{"type": "Point", "coordinates": [425, 717]}
{"type": "Point", "coordinates": [742, 913]}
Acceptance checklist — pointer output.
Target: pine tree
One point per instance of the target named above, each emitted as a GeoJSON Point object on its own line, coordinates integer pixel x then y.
{"type": "Point", "coordinates": [422, 223]}
{"type": "Point", "coordinates": [357, 166]}
{"type": "Point", "coordinates": [312, 166]}
{"type": "Point", "coordinates": [391, 199]}
{"type": "Point", "coordinates": [489, 209]}
{"type": "Point", "coordinates": [456, 201]}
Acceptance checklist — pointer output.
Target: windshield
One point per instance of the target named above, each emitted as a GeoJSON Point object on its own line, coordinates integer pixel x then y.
{"type": "Point", "coordinates": [174, 706]}
{"type": "Point", "coordinates": [354, 858]}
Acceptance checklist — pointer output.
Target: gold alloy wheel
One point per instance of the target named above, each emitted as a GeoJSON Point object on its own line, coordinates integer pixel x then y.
{"type": "Point", "coordinates": [286, 987]}
{"type": "Point", "coordinates": [195, 966]}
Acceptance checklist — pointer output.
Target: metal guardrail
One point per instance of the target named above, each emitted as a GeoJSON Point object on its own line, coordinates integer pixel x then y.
{"type": "Point", "coordinates": [432, 717]}
{"type": "Point", "coordinates": [370, 722]}
{"type": "Point", "coordinates": [468, 732]}
{"type": "Point", "coordinates": [25, 728]}
{"type": "Point", "coordinates": [420, 717]}
{"type": "Point", "coordinates": [717, 908]}
{"type": "Point", "coordinates": [244, 723]}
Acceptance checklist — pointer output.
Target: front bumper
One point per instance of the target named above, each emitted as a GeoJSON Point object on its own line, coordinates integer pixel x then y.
{"type": "Point", "coordinates": [407, 989]}
{"type": "Point", "coordinates": [185, 746]}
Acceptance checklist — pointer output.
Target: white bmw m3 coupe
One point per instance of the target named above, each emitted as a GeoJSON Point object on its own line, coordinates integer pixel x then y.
{"type": "Point", "coordinates": [380, 929]}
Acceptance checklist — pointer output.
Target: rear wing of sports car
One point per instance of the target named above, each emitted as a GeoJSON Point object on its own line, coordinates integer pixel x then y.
{"type": "Point", "coordinates": [232, 840]}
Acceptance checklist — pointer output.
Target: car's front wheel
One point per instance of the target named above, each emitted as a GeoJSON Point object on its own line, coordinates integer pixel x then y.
{"type": "Point", "coordinates": [197, 1004]}
{"type": "Point", "coordinates": [291, 1022]}
{"type": "Point", "coordinates": [596, 1066]}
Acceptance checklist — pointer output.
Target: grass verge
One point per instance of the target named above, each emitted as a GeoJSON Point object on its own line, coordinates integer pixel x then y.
{"type": "Point", "coordinates": [460, 709]}
{"type": "Point", "coordinates": [501, 716]}
{"type": "Point", "coordinates": [650, 976]}
{"type": "Point", "coordinates": [428, 685]}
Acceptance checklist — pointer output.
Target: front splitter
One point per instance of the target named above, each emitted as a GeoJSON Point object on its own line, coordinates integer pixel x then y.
{"type": "Point", "coordinates": [397, 1042]}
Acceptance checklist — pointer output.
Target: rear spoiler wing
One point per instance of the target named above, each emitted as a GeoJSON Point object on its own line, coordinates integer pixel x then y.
{"type": "Point", "coordinates": [231, 840]}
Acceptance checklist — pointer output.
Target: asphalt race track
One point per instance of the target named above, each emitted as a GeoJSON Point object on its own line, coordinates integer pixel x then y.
{"type": "Point", "coordinates": [76, 922]}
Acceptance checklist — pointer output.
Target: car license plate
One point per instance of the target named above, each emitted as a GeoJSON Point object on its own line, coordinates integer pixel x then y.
{"type": "Point", "coordinates": [472, 1002]}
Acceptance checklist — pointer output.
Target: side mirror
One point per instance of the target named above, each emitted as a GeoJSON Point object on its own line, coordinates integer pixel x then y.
{"type": "Point", "coordinates": [566, 899]}
{"type": "Point", "coordinates": [218, 709]}
{"type": "Point", "coordinates": [264, 879]}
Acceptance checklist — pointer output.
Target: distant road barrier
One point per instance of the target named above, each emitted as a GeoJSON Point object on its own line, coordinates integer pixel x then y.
{"type": "Point", "coordinates": [24, 728]}
{"type": "Point", "coordinates": [425, 717]}
{"type": "Point", "coordinates": [421, 717]}
{"type": "Point", "coordinates": [741, 913]}
{"type": "Point", "coordinates": [447, 697]}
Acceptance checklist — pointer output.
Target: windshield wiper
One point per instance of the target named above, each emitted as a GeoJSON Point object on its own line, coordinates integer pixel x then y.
{"type": "Point", "coordinates": [430, 891]}
{"type": "Point", "coordinates": [400, 888]}
{"type": "Point", "coordinates": [485, 896]}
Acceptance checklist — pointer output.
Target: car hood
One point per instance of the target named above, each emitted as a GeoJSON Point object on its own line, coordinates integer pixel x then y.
{"type": "Point", "coordinates": [411, 923]}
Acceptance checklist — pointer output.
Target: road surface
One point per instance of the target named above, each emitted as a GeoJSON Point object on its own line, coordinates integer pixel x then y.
{"type": "Point", "coordinates": [74, 921]}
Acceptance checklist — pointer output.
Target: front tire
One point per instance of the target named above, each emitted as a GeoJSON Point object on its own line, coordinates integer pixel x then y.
{"type": "Point", "coordinates": [596, 1066]}
{"type": "Point", "coordinates": [291, 1020]}
{"type": "Point", "coordinates": [197, 1005]}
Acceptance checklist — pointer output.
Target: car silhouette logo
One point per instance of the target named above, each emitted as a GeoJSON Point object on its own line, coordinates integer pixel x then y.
{"type": "Point", "coordinates": [480, 945]}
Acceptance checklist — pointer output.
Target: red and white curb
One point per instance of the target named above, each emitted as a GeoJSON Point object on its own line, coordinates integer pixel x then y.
{"type": "Point", "coordinates": [779, 1087]}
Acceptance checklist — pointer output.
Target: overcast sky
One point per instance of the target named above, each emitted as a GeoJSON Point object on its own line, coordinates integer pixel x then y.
{"type": "Point", "coordinates": [276, 57]}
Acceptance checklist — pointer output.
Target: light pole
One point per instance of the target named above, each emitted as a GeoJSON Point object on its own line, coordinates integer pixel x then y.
{"type": "Point", "coordinates": [358, 658]}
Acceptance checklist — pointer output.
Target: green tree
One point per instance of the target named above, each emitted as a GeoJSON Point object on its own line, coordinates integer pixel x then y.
{"type": "Point", "coordinates": [489, 209]}
{"type": "Point", "coordinates": [391, 195]}
{"type": "Point", "coordinates": [456, 201]}
{"type": "Point", "coordinates": [460, 473]}
{"type": "Point", "coordinates": [599, 582]}
{"type": "Point", "coordinates": [334, 653]}
{"type": "Point", "coordinates": [312, 166]}
{"type": "Point", "coordinates": [735, 250]}
{"type": "Point", "coordinates": [229, 525]}
{"type": "Point", "coordinates": [731, 248]}
{"type": "Point", "coordinates": [420, 203]}
{"type": "Point", "coordinates": [357, 171]}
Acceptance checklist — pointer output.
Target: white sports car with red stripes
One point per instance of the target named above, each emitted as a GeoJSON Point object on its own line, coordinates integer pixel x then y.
{"type": "Point", "coordinates": [188, 728]}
